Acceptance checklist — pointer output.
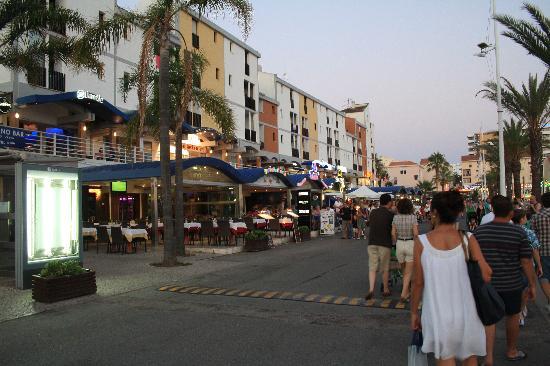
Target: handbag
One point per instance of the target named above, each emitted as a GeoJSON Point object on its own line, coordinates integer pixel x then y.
{"type": "Point", "coordinates": [415, 355]}
{"type": "Point", "coordinates": [489, 304]}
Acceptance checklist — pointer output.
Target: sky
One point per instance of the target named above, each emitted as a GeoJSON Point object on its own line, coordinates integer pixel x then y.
{"type": "Point", "coordinates": [412, 60]}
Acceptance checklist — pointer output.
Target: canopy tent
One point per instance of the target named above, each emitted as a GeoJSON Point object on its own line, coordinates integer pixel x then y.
{"type": "Point", "coordinates": [333, 194]}
{"type": "Point", "coordinates": [364, 192]}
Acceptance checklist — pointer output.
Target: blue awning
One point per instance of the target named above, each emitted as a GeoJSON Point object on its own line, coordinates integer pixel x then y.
{"type": "Point", "coordinates": [99, 106]}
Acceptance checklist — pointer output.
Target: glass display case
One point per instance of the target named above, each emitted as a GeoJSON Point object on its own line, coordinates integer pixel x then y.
{"type": "Point", "coordinates": [52, 215]}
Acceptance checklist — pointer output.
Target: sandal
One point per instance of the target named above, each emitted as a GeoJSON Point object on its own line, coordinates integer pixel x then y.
{"type": "Point", "coordinates": [520, 356]}
{"type": "Point", "coordinates": [386, 293]}
{"type": "Point", "coordinates": [404, 300]}
{"type": "Point", "coordinates": [369, 296]}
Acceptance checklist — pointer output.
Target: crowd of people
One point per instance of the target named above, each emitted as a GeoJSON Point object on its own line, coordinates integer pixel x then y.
{"type": "Point", "coordinates": [509, 240]}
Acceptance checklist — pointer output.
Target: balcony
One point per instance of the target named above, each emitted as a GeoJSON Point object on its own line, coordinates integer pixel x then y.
{"type": "Point", "coordinates": [247, 69]}
{"type": "Point", "coordinates": [336, 143]}
{"type": "Point", "coordinates": [295, 153]}
{"type": "Point", "coordinates": [329, 140]}
{"type": "Point", "coordinates": [38, 77]}
{"type": "Point", "coordinates": [56, 80]}
{"type": "Point", "coordinates": [195, 40]}
{"type": "Point", "coordinates": [250, 135]}
{"type": "Point", "coordinates": [305, 132]}
{"type": "Point", "coordinates": [250, 103]}
{"type": "Point", "coordinates": [305, 155]}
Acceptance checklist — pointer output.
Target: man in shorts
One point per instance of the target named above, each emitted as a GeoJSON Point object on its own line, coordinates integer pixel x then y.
{"type": "Point", "coordinates": [380, 244]}
{"type": "Point", "coordinates": [540, 224]}
{"type": "Point", "coordinates": [506, 249]}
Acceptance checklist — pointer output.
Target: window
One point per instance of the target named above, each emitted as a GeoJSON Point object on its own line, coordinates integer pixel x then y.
{"type": "Point", "coordinates": [281, 139]}
{"type": "Point", "coordinates": [315, 126]}
{"type": "Point", "coordinates": [273, 109]}
{"type": "Point", "coordinates": [215, 36]}
{"type": "Point", "coordinates": [229, 79]}
{"type": "Point", "coordinates": [230, 46]}
{"type": "Point", "coordinates": [274, 137]}
{"type": "Point", "coordinates": [195, 36]}
{"type": "Point", "coordinates": [328, 121]}
{"type": "Point", "coordinates": [101, 17]}
{"type": "Point", "coordinates": [336, 122]}
{"type": "Point", "coordinates": [416, 177]}
{"type": "Point", "coordinates": [217, 73]}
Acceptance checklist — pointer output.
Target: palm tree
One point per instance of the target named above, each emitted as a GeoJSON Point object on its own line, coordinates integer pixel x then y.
{"type": "Point", "coordinates": [446, 176]}
{"type": "Point", "coordinates": [535, 38]}
{"type": "Point", "coordinates": [437, 163]}
{"type": "Point", "coordinates": [530, 105]}
{"type": "Point", "coordinates": [381, 172]}
{"type": "Point", "coordinates": [425, 186]}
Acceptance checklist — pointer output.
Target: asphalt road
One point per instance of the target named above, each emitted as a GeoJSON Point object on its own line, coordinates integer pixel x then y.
{"type": "Point", "coordinates": [150, 327]}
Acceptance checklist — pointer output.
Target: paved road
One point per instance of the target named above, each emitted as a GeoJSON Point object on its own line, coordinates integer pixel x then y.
{"type": "Point", "coordinates": [151, 327]}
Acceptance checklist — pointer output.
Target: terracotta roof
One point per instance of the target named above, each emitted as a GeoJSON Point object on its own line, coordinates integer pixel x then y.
{"type": "Point", "coordinates": [404, 162]}
{"type": "Point", "coordinates": [424, 161]}
{"type": "Point", "coordinates": [469, 157]}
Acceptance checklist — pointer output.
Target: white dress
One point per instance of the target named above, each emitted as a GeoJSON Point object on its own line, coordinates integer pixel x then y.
{"type": "Point", "coordinates": [450, 324]}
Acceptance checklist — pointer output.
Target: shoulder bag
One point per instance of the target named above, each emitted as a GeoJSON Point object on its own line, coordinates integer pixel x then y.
{"type": "Point", "coordinates": [489, 304]}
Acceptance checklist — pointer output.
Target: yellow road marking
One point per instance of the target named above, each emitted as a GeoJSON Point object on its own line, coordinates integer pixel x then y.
{"type": "Point", "coordinates": [326, 299]}
{"type": "Point", "coordinates": [164, 288]}
{"type": "Point", "coordinates": [386, 303]}
{"type": "Point", "coordinates": [339, 300]}
{"type": "Point", "coordinates": [299, 296]}
{"type": "Point", "coordinates": [270, 295]}
{"type": "Point", "coordinates": [232, 292]}
{"type": "Point", "coordinates": [311, 297]}
{"type": "Point", "coordinates": [245, 293]}
{"type": "Point", "coordinates": [258, 293]}
{"type": "Point", "coordinates": [221, 291]}
{"type": "Point", "coordinates": [355, 301]}
{"type": "Point", "coordinates": [285, 295]}
{"type": "Point", "coordinates": [176, 288]}
{"type": "Point", "coordinates": [199, 290]}
{"type": "Point", "coordinates": [187, 289]}
{"type": "Point", "coordinates": [208, 292]}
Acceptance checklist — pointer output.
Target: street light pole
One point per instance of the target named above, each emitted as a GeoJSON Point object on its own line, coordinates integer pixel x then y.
{"type": "Point", "coordinates": [502, 180]}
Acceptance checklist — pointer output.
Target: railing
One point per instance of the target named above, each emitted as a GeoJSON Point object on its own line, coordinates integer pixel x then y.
{"type": "Point", "coordinates": [305, 132]}
{"type": "Point", "coordinates": [56, 80]}
{"type": "Point", "coordinates": [37, 77]}
{"type": "Point", "coordinates": [46, 143]}
{"type": "Point", "coordinates": [195, 40]}
{"type": "Point", "coordinates": [250, 103]}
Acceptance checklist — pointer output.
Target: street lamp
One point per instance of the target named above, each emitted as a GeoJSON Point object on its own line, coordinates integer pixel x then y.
{"type": "Point", "coordinates": [484, 50]}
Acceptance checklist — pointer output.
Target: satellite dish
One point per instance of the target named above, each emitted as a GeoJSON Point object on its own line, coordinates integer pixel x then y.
{"type": "Point", "coordinates": [4, 105]}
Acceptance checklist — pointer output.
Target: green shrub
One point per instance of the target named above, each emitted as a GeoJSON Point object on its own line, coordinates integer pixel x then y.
{"type": "Point", "coordinates": [57, 268]}
{"type": "Point", "coordinates": [256, 235]}
{"type": "Point", "coordinates": [303, 229]}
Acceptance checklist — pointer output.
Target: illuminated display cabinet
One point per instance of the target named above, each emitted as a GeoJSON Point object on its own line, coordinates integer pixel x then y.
{"type": "Point", "coordinates": [51, 215]}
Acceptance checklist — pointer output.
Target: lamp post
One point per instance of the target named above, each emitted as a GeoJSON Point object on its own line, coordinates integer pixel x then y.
{"type": "Point", "coordinates": [486, 48]}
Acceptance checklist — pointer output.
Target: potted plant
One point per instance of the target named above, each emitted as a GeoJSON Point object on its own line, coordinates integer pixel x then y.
{"type": "Point", "coordinates": [303, 233]}
{"type": "Point", "coordinates": [256, 240]}
{"type": "Point", "coordinates": [61, 280]}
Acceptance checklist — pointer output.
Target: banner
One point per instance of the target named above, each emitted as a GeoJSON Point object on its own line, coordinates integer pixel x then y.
{"type": "Point", "coordinates": [13, 137]}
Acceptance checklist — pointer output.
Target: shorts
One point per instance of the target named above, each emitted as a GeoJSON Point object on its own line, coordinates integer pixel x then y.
{"type": "Point", "coordinates": [404, 252]}
{"type": "Point", "coordinates": [545, 261]}
{"type": "Point", "coordinates": [379, 258]}
{"type": "Point", "coordinates": [512, 301]}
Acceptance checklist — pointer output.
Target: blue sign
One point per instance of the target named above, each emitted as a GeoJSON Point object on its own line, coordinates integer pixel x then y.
{"type": "Point", "coordinates": [13, 137]}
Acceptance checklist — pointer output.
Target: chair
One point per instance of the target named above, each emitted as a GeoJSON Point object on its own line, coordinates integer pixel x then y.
{"type": "Point", "coordinates": [117, 239]}
{"type": "Point", "coordinates": [103, 237]}
{"type": "Point", "coordinates": [208, 231]}
{"type": "Point", "coordinates": [224, 231]}
{"type": "Point", "coordinates": [274, 225]}
{"type": "Point", "coordinates": [249, 223]}
{"type": "Point", "coordinates": [125, 224]}
{"type": "Point", "coordinates": [137, 241]}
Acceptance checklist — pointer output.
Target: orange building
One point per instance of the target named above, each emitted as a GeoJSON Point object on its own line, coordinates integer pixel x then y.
{"type": "Point", "coordinates": [268, 125]}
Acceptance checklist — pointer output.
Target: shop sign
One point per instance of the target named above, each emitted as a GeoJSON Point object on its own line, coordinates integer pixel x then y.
{"type": "Point", "coordinates": [84, 94]}
{"type": "Point", "coordinates": [199, 149]}
{"type": "Point", "coordinates": [13, 137]}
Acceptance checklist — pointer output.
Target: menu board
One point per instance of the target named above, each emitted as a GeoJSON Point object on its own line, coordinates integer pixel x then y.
{"type": "Point", "coordinates": [304, 208]}
{"type": "Point", "coordinates": [327, 222]}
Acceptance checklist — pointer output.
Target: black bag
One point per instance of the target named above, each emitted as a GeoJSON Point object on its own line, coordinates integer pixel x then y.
{"type": "Point", "coordinates": [489, 304]}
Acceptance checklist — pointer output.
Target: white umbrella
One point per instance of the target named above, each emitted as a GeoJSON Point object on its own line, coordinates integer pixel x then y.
{"type": "Point", "coordinates": [364, 192]}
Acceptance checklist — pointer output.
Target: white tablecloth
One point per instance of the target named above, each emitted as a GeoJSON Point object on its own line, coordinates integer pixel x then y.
{"type": "Point", "coordinates": [259, 221]}
{"type": "Point", "coordinates": [285, 220]}
{"type": "Point", "coordinates": [232, 225]}
{"type": "Point", "coordinates": [90, 231]}
{"type": "Point", "coordinates": [237, 225]}
{"type": "Point", "coordinates": [130, 234]}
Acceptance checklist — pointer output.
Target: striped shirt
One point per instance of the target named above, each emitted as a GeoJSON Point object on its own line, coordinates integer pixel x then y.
{"type": "Point", "coordinates": [503, 245]}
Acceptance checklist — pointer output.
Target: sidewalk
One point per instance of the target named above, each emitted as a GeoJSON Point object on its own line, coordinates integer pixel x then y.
{"type": "Point", "coordinates": [115, 274]}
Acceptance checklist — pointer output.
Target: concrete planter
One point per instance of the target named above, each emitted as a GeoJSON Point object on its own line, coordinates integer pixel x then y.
{"type": "Point", "coordinates": [63, 288]}
{"type": "Point", "coordinates": [256, 245]}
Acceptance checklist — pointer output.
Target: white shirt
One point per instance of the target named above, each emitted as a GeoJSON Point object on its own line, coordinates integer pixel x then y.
{"type": "Point", "coordinates": [487, 218]}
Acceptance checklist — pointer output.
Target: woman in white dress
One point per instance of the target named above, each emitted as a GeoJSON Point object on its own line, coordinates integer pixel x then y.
{"type": "Point", "coordinates": [450, 325]}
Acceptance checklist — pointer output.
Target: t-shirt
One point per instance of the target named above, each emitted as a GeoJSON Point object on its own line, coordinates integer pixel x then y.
{"type": "Point", "coordinates": [380, 221]}
{"type": "Point", "coordinates": [346, 213]}
{"type": "Point", "coordinates": [487, 218]}
{"type": "Point", "coordinates": [503, 245]}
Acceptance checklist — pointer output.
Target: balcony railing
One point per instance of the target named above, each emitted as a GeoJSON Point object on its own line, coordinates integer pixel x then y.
{"type": "Point", "coordinates": [250, 103]}
{"type": "Point", "coordinates": [305, 155]}
{"type": "Point", "coordinates": [56, 80]}
{"type": "Point", "coordinates": [37, 77]}
{"type": "Point", "coordinates": [195, 40]}
{"type": "Point", "coordinates": [45, 143]}
{"type": "Point", "coordinates": [247, 69]}
{"type": "Point", "coordinates": [305, 132]}
{"type": "Point", "coordinates": [250, 135]}
{"type": "Point", "coordinates": [295, 153]}
{"type": "Point", "coordinates": [329, 140]}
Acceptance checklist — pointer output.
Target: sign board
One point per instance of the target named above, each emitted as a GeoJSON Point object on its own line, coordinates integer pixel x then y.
{"type": "Point", "coordinates": [327, 222]}
{"type": "Point", "coordinates": [84, 94]}
{"type": "Point", "coordinates": [304, 208]}
{"type": "Point", "coordinates": [11, 137]}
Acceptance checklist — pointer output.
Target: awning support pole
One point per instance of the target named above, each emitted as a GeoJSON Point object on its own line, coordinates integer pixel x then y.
{"type": "Point", "coordinates": [240, 200]}
{"type": "Point", "coordinates": [155, 218]}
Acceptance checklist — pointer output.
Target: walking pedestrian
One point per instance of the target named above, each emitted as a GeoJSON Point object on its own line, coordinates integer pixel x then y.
{"type": "Point", "coordinates": [540, 223]}
{"type": "Point", "coordinates": [346, 221]}
{"type": "Point", "coordinates": [506, 248]}
{"type": "Point", "coordinates": [404, 230]}
{"type": "Point", "coordinates": [380, 244]}
{"type": "Point", "coordinates": [520, 218]}
{"type": "Point", "coordinates": [450, 324]}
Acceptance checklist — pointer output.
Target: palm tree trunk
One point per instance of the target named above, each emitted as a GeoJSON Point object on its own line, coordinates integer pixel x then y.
{"type": "Point", "coordinates": [164, 122]}
{"type": "Point", "coordinates": [180, 247]}
{"type": "Point", "coordinates": [516, 173]}
{"type": "Point", "coordinates": [508, 180]}
{"type": "Point", "coordinates": [535, 148]}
